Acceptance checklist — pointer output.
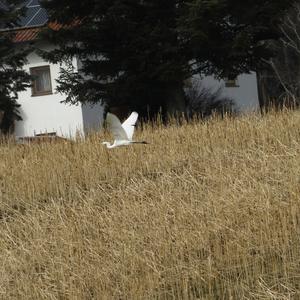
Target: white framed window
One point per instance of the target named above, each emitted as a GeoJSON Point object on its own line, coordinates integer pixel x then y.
{"type": "Point", "coordinates": [41, 84]}
{"type": "Point", "coordinates": [231, 82]}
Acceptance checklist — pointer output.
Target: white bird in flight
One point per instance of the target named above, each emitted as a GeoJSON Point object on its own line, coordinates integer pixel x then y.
{"type": "Point", "coordinates": [122, 132]}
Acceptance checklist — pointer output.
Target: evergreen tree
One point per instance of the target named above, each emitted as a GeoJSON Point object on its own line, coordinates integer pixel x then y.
{"type": "Point", "coordinates": [280, 83]}
{"type": "Point", "coordinates": [229, 37]}
{"type": "Point", "coordinates": [139, 52]}
{"type": "Point", "coordinates": [12, 78]}
{"type": "Point", "coordinates": [129, 52]}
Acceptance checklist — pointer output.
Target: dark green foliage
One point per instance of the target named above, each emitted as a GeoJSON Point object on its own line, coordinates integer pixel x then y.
{"type": "Point", "coordinates": [129, 51]}
{"type": "Point", "coordinates": [12, 58]}
{"type": "Point", "coordinates": [138, 52]}
{"type": "Point", "coordinates": [280, 83]}
{"type": "Point", "coordinates": [228, 37]}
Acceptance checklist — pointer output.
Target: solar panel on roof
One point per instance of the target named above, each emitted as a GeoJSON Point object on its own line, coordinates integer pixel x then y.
{"type": "Point", "coordinates": [26, 2]}
{"type": "Point", "coordinates": [35, 15]}
{"type": "Point", "coordinates": [30, 13]}
{"type": "Point", "coordinates": [39, 19]}
{"type": "Point", "coordinates": [3, 5]}
{"type": "Point", "coordinates": [33, 3]}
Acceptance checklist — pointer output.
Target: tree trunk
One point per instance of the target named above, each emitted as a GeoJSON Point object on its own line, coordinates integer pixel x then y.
{"type": "Point", "coordinates": [174, 104]}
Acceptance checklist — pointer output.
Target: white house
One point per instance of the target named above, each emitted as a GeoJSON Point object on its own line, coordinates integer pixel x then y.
{"type": "Point", "coordinates": [243, 90]}
{"type": "Point", "coordinates": [41, 108]}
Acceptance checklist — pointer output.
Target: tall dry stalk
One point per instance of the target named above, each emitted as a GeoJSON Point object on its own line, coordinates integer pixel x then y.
{"type": "Point", "coordinates": [206, 211]}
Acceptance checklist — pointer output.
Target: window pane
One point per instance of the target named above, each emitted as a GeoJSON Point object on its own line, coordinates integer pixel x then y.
{"type": "Point", "coordinates": [42, 80]}
{"type": "Point", "coordinates": [231, 82]}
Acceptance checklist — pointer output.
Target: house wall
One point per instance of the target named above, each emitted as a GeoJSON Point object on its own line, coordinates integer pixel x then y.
{"type": "Point", "coordinates": [46, 113]}
{"type": "Point", "coordinates": [93, 114]}
{"type": "Point", "coordinates": [92, 117]}
{"type": "Point", "coordinates": [245, 95]}
{"type": "Point", "coordinates": [42, 114]}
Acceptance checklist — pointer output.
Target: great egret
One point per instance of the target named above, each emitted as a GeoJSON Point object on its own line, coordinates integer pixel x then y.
{"type": "Point", "coordinates": [122, 132]}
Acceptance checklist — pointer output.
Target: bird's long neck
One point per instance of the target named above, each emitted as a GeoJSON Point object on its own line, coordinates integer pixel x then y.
{"type": "Point", "coordinates": [109, 145]}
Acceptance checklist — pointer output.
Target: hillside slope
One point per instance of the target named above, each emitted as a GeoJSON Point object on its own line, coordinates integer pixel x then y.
{"type": "Point", "coordinates": [206, 210]}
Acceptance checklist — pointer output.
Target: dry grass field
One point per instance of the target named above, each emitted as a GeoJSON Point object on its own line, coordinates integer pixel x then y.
{"type": "Point", "coordinates": [208, 210]}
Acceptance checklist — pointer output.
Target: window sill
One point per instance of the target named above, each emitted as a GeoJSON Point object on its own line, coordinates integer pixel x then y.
{"type": "Point", "coordinates": [41, 94]}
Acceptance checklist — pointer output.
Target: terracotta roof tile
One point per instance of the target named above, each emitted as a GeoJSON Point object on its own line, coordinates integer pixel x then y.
{"type": "Point", "coordinates": [30, 34]}
{"type": "Point", "coordinates": [26, 35]}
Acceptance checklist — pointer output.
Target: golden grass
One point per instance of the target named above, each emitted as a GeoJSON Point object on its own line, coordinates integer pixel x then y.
{"type": "Point", "coordinates": [206, 211]}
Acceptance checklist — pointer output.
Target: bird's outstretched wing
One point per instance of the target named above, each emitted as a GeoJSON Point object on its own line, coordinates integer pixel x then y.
{"type": "Point", "coordinates": [128, 124]}
{"type": "Point", "coordinates": [115, 126]}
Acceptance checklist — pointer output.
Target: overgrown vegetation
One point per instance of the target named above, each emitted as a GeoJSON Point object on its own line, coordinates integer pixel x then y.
{"type": "Point", "coordinates": [138, 53]}
{"type": "Point", "coordinates": [204, 101]}
{"type": "Point", "coordinates": [12, 58]}
{"type": "Point", "coordinates": [279, 81]}
{"type": "Point", "coordinates": [208, 210]}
